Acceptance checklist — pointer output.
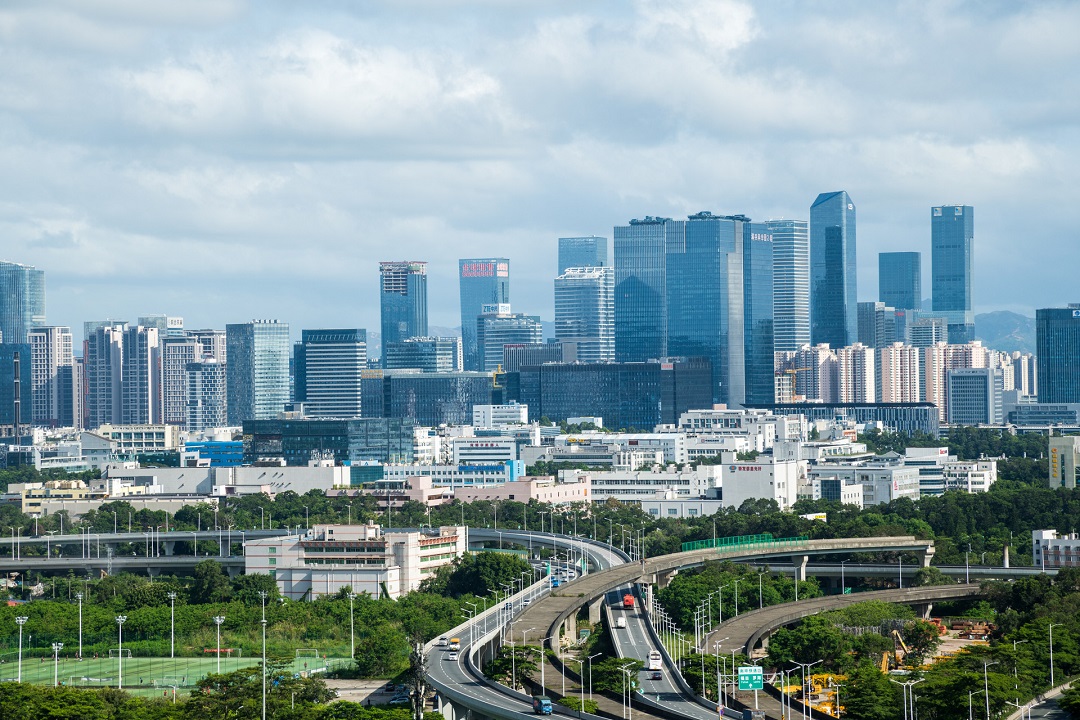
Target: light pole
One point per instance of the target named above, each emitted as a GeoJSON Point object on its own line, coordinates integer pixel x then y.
{"type": "Point", "coordinates": [543, 684]}
{"type": "Point", "coordinates": [56, 648]}
{"type": "Point", "coordinates": [263, 657]}
{"type": "Point", "coordinates": [967, 566]}
{"type": "Point", "coordinates": [218, 619]}
{"type": "Point", "coordinates": [1052, 626]}
{"type": "Point", "coordinates": [20, 621]}
{"type": "Point", "coordinates": [806, 696]}
{"type": "Point", "coordinates": [172, 625]}
{"type": "Point", "coordinates": [760, 604]}
{"type": "Point", "coordinates": [986, 685]}
{"type": "Point", "coordinates": [626, 691]}
{"type": "Point", "coordinates": [971, 694]}
{"type": "Point", "coordinates": [581, 689]}
{"type": "Point", "coordinates": [1016, 681]}
{"type": "Point", "coordinates": [79, 597]}
{"type": "Point", "coordinates": [120, 620]}
{"type": "Point", "coordinates": [352, 627]}
{"type": "Point", "coordinates": [590, 672]}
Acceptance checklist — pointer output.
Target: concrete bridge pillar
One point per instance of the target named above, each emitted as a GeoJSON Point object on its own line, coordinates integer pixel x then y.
{"type": "Point", "coordinates": [928, 555]}
{"type": "Point", "coordinates": [234, 570]}
{"type": "Point", "coordinates": [168, 547]}
{"type": "Point", "coordinates": [152, 571]}
{"type": "Point", "coordinates": [594, 610]}
{"type": "Point", "coordinates": [923, 610]}
{"type": "Point", "coordinates": [663, 578]}
{"type": "Point", "coordinates": [799, 563]}
{"type": "Point", "coordinates": [569, 630]}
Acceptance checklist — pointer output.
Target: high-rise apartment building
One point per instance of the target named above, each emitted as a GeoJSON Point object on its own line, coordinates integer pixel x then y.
{"type": "Point", "coordinates": [430, 354]}
{"type": "Point", "coordinates": [123, 374]}
{"type": "Point", "coordinates": [327, 367]}
{"type": "Point", "coordinates": [975, 396]}
{"type": "Point", "coordinates": [900, 279]}
{"type": "Point", "coordinates": [257, 371]}
{"type": "Point", "coordinates": [22, 301]}
{"type": "Point", "coordinates": [579, 252]}
{"type": "Point", "coordinates": [855, 371]}
{"type": "Point", "coordinates": [939, 360]}
{"type": "Point", "coordinates": [179, 349]}
{"type": "Point", "coordinates": [791, 283]}
{"type": "Point", "coordinates": [1057, 352]}
{"type": "Point", "coordinates": [641, 316]}
{"type": "Point", "coordinates": [140, 398]}
{"type": "Point", "coordinates": [814, 369]}
{"type": "Point", "coordinates": [833, 285]}
{"type": "Point", "coordinates": [585, 312]}
{"type": "Point", "coordinates": [207, 405]}
{"type": "Point", "coordinates": [403, 300]}
{"type": "Point", "coordinates": [952, 239]}
{"type": "Point", "coordinates": [51, 360]}
{"type": "Point", "coordinates": [497, 326]}
{"type": "Point", "coordinates": [483, 281]}
{"type": "Point", "coordinates": [898, 374]}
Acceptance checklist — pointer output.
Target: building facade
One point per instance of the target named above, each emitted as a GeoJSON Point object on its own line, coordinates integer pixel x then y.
{"type": "Point", "coordinates": [641, 290]}
{"type": "Point", "coordinates": [791, 283]}
{"type": "Point", "coordinates": [22, 301]}
{"type": "Point", "coordinates": [497, 327]}
{"type": "Point", "coordinates": [327, 366]}
{"type": "Point", "coordinates": [427, 354]}
{"type": "Point", "coordinates": [975, 396]}
{"type": "Point", "coordinates": [482, 281]}
{"type": "Point", "coordinates": [205, 384]}
{"type": "Point", "coordinates": [580, 252]}
{"type": "Point", "coordinates": [833, 280]}
{"type": "Point", "coordinates": [403, 300]}
{"type": "Point", "coordinates": [1057, 340]}
{"type": "Point", "coordinates": [585, 312]}
{"type": "Point", "coordinates": [257, 371]}
{"type": "Point", "coordinates": [51, 362]}
{"type": "Point", "coordinates": [952, 240]}
{"type": "Point", "coordinates": [900, 279]}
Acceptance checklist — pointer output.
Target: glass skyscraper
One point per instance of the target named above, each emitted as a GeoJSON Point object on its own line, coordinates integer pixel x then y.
{"type": "Point", "coordinates": [641, 290]}
{"type": "Point", "coordinates": [952, 235]}
{"type": "Point", "coordinates": [1057, 343]}
{"type": "Point", "coordinates": [576, 252]}
{"type": "Point", "coordinates": [900, 280]}
{"type": "Point", "coordinates": [328, 364]}
{"type": "Point", "coordinates": [22, 302]}
{"type": "Point", "coordinates": [403, 300]}
{"type": "Point", "coordinates": [497, 327]}
{"type": "Point", "coordinates": [585, 312]}
{"type": "Point", "coordinates": [759, 278]}
{"type": "Point", "coordinates": [833, 296]}
{"type": "Point", "coordinates": [791, 283]}
{"type": "Point", "coordinates": [257, 372]}
{"type": "Point", "coordinates": [483, 281]}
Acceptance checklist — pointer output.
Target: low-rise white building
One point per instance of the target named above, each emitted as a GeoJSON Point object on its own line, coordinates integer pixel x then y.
{"type": "Point", "coordinates": [672, 508]}
{"type": "Point", "coordinates": [1050, 550]}
{"type": "Point", "coordinates": [673, 445]}
{"type": "Point", "coordinates": [881, 482]}
{"type": "Point", "coordinates": [483, 450]}
{"type": "Point", "coordinates": [366, 558]}
{"type": "Point", "coordinates": [493, 416]}
{"type": "Point", "coordinates": [767, 477]}
{"type": "Point", "coordinates": [635, 486]}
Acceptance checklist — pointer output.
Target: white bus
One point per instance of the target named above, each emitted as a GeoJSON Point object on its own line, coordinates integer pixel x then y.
{"type": "Point", "coordinates": [655, 661]}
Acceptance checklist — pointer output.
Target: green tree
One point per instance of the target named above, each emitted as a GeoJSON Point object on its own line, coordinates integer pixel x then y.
{"type": "Point", "coordinates": [381, 651]}
{"type": "Point", "coordinates": [868, 695]}
{"type": "Point", "coordinates": [210, 584]}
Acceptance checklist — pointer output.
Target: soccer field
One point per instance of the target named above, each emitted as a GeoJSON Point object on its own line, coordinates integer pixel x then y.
{"type": "Point", "coordinates": [144, 672]}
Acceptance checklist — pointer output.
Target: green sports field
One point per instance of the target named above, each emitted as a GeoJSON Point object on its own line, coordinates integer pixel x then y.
{"type": "Point", "coordinates": [150, 673]}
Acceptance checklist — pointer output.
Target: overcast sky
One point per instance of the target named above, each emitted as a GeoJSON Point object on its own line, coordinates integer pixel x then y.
{"type": "Point", "coordinates": [225, 161]}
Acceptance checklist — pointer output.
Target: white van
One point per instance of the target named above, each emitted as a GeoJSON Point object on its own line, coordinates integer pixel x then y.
{"type": "Point", "coordinates": [620, 622]}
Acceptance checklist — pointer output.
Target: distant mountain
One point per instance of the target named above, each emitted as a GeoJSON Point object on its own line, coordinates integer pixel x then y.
{"type": "Point", "coordinates": [1006, 331]}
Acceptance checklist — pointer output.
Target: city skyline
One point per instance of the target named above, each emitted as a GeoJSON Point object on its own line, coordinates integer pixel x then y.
{"type": "Point", "coordinates": [492, 129]}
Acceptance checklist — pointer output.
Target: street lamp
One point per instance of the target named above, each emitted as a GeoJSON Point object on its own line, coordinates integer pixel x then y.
{"type": "Point", "coordinates": [218, 619]}
{"type": "Point", "coordinates": [513, 658]}
{"type": "Point", "coordinates": [20, 621]}
{"type": "Point", "coordinates": [56, 648]}
{"type": "Point", "coordinates": [263, 657]}
{"type": "Point", "coordinates": [590, 672]}
{"type": "Point", "coordinates": [172, 624]}
{"type": "Point", "coordinates": [1052, 626]}
{"type": "Point", "coordinates": [79, 597]}
{"type": "Point", "coordinates": [543, 684]}
{"type": "Point", "coordinates": [120, 620]}
{"type": "Point", "coordinates": [805, 667]}
{"type": "Point", "coordinates": [1016, 682]}
{"type": "Point", "coordinates": [628, 685]}
{"type": "Point", "coordinates": [986, 685]}
{"type": "Point", "coordinates": [971, 694]}
{"type": "Point", "coordinates": [352, 627]}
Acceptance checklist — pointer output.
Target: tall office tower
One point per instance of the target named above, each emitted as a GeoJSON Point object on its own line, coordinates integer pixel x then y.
{"type": "Point", "coordinates": [51, 361]}
{"type": "Point", "coordinates": [585, 312]}
{"type": "Point", "coordinates": [1024, 373]}
{"type": "Point", "coordinates": [975, 396]}
{"type": "Point", "coordinates": [327, 365]}
{"type": "Point", "coordinates": [403, 300]}
{"type": "Point", "coordinates": [167, 325]}
{"type": "Point", "coordinates": [791, 283]}
{"type": "Point", "coordinates": [483, 281]}
{"type": "Point", "coordinates": [815, 370]}
{"type": "Point", "coordinates": [833, 311]}
{"type": "Point", "coordinates": [78, 393]}
{"type": "Point", "coordinates": [22, 301]}
{"type": "Point", "coordinates": [178, 350]}
{"type": "Point", "coordinates": [140, 399]}
{"type": "Point", "coordinates": [855, 372]}
{"type": "Point", "coordinates": [16, 396]}
{"type": "Point", "coordinates": [952, 236]}
{"type": "Point", "coordinates": [103, 351]}
{"type": "Point", "coordinates": [579, 252]}
{"type": "Point", "coordinates": [898, 374]}
{"type": "Point", "coordinates": [706, 298]}
{"type": "Point", "coordinates": [927, 331]}
{"type": "Point", "coordinates": [430, 354]}
{"type": "Point", "coordinates": [206, 395]}
{"type": "Point", "coordinates": [877, 325]}
{"type": "Point", "coordinates": [497, 326]}
{"type": "Point", "coordinates": [759, 289]}
{"type": "Point", "coordinates": [257, 371]}
{"type": "Point", "coordinates": [641, 316]}
{"type": "Point", "coordinates": [900, 279]}
{"type": "Point", "coordinates": [1057, 353]}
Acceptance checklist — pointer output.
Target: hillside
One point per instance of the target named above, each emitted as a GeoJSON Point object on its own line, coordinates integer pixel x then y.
{"type": "Point", "coordinates": [1006, 331]}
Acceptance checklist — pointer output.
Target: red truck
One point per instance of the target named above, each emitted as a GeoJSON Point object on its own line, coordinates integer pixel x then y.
{"type": "Point", "coordinates": [628, 602]}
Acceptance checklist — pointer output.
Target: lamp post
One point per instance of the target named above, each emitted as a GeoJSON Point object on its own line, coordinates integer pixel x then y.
{"type": "Point", "coordinates": [590, 672]}
{"type": "Point", "coordinates": [805, 667]}
{"type": "Point", "coordinates": [760, 603]}
{"type": "Point", "coordinates": [543, 684]}
{"type": "Point", "coordinates": [263, 660]}
{"type": "Point", "coordinates": [172, 624]}
{"type": "Point", "coordinates": [986, 685]}
{"type": "Point", "coordinates": [56, 648]}
{"type": "Point", "coordinates": [352, 627]}
{"type": "Point", "coordinates": [736, 593]}
{"type": "Point", "coordinates": [907, 688]}
{"type": "Point", "coordinates": [971, 694]}
{"type": "Point", "coordinates": [1052, 626]}
{"type": "Point", "coordinates": [120, 620]}
{"type": "Point", "coordinates": [626, 690]}
{"type": "Point", "coordinates": [20, 621]}
{"type": "Point", "coordinates": [1016, 681]}
{"type": "Point", "coordinates": [218, 619]}
{"type": "Point", "coordinates": [79, 597]}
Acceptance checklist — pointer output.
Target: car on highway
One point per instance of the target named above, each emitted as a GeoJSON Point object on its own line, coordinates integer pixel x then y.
{"type": "Point", "coordinates": [656, 675]}
{"type": "Point", "coordinates": [452, 655]}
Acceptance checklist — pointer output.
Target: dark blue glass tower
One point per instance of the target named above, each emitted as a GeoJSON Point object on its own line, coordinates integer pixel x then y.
{"type": "Point", "coordinates": [403, 300]}
{"type": "Point", "coordinates": [900, 280]}
{"type": "Point", "coordinates": [641, 290]}
{"type": "Point", "coordinates": [483, 281]}
{"type": "Point", "coordinates": [758, 294]}
{"type": "Point", "coordinates": [952, 236]}
{"type": "Point", "coordinates": [1057, 347]}
{"type": "Point", "coordinates": [833, 296]}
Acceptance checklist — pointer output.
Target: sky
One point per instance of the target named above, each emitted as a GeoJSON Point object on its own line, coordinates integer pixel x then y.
{"type": "Point", "coordinates": [225, 160]}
